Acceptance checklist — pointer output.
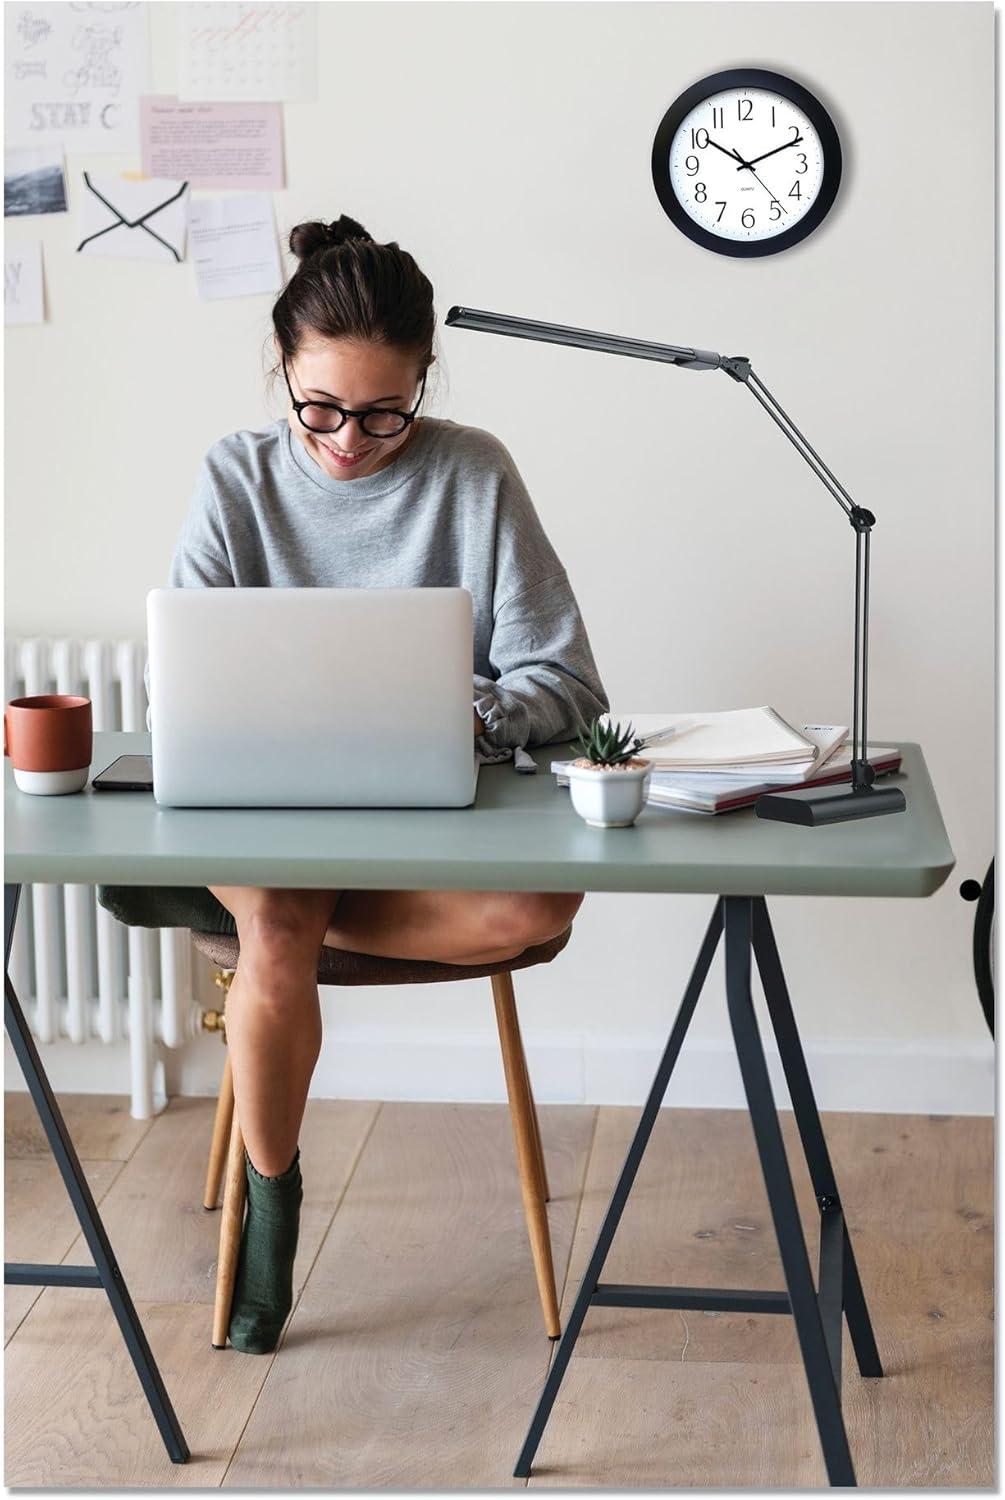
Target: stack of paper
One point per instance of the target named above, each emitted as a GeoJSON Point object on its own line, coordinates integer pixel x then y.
{"type": "Point", "coordinates": [739, 737]}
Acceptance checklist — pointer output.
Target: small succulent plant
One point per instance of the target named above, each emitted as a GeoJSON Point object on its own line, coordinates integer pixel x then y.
{"type": "Point", "coordinates": [605, 744]}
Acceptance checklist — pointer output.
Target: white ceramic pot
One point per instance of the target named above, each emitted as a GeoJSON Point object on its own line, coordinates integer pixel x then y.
{"type": "Point", "coordinates": [608, 798]}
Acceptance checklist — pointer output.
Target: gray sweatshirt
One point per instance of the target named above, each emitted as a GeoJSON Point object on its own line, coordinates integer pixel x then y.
{"type": "Point", "coordinates": [450, 511]}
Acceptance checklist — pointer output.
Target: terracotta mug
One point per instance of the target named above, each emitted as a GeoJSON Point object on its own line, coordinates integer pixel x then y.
{"type": "Point", "coordinates": [49, 742]}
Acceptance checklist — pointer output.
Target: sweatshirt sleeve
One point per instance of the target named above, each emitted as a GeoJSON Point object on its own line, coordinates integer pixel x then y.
{"type": "Point", "coordinates": [545, 685]}
{"type": "Point", "coordinates": [200, 559]}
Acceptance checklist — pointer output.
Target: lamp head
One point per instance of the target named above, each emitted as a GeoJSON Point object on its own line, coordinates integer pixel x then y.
{"type": "Point", "coordinates": [580, 338]}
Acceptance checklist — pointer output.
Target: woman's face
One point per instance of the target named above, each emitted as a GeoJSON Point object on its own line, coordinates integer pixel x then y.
{"type": "Point", "coordinates": [356, 376]}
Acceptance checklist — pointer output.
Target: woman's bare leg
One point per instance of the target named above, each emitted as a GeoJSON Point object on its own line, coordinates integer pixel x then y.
{"type": "Point", "coordinates": [452, 927]}
{"type": "Point", "coordinates": [273, 1015]}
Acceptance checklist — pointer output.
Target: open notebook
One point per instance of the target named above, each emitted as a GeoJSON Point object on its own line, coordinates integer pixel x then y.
{"type": "Point", "coordinates": [734, 737]}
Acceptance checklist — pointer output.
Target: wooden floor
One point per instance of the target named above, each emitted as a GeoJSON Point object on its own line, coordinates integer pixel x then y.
{"type": "Point", "coordinates": [415, 1352]}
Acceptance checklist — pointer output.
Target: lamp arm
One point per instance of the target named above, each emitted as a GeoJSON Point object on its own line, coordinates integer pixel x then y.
{"type": "Point", "coordinates": [862, 521]}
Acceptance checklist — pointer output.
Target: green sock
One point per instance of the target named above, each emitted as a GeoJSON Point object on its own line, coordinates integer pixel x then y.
{"type": "Point", "coordinates": [263, 1290]}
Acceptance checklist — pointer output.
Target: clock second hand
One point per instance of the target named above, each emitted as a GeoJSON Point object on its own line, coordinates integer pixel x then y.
{"type": "Point", "coordinates": [754, 175]}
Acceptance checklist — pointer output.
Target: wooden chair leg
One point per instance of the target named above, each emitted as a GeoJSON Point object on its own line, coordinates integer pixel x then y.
{"type": "Point", "coordinates": [527, 1137]}
{"type": "Point", "coordinates": [535, 1123]}
{"type": "Point", "coordinates": [231, 1224]}
{"type": "Point", "coordinates": [221, 1137]}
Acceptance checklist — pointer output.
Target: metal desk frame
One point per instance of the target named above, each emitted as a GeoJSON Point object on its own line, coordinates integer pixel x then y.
{"type": "Point", "coordinates": [104, 1274]}
{"type": "Point", "coordinates": [819, 1313]}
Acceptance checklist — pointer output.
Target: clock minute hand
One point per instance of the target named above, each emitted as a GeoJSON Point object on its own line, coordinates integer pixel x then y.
{"type": "Point", "coordinates": [772, 152]}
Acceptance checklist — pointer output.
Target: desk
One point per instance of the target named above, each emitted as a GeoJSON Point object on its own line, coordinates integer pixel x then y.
{"type": "Point", "coordinates": [522, 834]}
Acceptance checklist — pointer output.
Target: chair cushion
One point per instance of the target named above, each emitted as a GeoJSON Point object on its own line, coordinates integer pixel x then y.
{"type": "Point", "coordinates": [189, 906]}
{"type": "Point", "coordinates": [338, 966]}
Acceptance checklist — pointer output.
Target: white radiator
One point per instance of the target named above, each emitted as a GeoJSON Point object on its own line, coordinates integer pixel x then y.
{"type": "Point", "coordinates": [78, 972]}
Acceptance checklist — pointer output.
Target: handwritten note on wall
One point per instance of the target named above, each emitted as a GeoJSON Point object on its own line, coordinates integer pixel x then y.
{"type": "Point", "coordinates": [234, 246]}
{"type": "Point", "coordinates": [213, 145]}
{"type": "Point", "coordinates": [228, 49]}
{"type": "Point", "coordinates": [74, 73]}
{"type": "Point", "coordinates": [22, 283]}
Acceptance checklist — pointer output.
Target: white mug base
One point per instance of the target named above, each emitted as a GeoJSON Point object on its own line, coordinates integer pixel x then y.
{"type": "Point", "coordinates": [51, 783]}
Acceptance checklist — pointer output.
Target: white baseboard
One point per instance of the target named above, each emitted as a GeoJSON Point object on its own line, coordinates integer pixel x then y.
{"type": "Point", "coordinates": [948, 1076]}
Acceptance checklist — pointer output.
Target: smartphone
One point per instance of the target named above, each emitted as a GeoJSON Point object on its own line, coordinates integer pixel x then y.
{"type": "Point", "coordinates": [130, 773]}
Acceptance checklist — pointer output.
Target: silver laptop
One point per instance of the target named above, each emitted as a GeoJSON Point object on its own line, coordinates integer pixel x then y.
{"type": "Point", "coordinates": [281, 697]}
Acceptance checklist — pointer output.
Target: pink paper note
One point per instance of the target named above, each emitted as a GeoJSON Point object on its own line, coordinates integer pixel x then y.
{"type": "Point", "coordinates": [232, 145]}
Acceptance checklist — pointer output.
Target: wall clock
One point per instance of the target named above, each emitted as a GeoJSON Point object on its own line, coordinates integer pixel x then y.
{"type": "Point", "coordinates": [746, 162]}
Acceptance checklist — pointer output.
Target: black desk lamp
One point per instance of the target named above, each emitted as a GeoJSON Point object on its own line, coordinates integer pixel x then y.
{"type": "Point", "coordinates": [809, 805]}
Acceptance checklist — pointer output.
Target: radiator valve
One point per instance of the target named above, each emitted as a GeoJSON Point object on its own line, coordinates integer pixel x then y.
{"type": "Point", "coordinates": [216, 1020]}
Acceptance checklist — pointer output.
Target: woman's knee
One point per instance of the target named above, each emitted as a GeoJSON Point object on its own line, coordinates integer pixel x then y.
{"type": "Point", "coordinates": [283, 928]}
{"type": "Point", "coordinates": [531, 917]}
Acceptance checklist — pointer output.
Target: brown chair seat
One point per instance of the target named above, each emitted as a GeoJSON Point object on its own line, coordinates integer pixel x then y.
{"type": "Point", "coordinates": [340, 967]}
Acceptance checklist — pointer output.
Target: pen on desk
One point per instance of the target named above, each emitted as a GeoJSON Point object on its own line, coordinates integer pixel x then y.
{"type": "Point", "coordinates": [657, 736]}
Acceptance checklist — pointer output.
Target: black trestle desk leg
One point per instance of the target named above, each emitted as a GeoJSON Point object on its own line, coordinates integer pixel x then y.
{"type": "Point", "coordinates": [106, 1272]}
{"type": "Point", "coordinates": [806, 1311]}
{"type": "Point", "coordinates": [815, 1150]}
{"type": "Point", "coordinates": [619, 1198]}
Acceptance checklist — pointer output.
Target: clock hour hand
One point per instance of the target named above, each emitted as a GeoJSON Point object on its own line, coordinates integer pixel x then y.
{"type": "Point", "coordinates": [734, 154]}
{"type": "Point", "coordinates": [784, 147]}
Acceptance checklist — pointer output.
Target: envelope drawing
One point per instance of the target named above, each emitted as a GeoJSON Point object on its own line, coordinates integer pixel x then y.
{"type": "Point", "coordinates": [126, 219]}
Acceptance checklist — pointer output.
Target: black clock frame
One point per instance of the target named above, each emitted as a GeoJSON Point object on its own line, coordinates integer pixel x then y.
{"type": "Point", "coordinates": [754, 78]}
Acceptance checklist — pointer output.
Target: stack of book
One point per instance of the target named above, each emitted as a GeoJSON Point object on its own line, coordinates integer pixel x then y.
{"type": "Point", "coordinates": [715, 762]}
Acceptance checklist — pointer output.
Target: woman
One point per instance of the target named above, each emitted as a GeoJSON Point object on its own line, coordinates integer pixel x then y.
{"type": "Point", "coordinates": [354, 489]}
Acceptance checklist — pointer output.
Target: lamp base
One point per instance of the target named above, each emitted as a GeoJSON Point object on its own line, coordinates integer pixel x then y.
{"type": "Point", "coordinates": [812, 807]}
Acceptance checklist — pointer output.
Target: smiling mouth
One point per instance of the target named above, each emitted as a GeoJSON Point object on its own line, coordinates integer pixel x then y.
{"type": "Point", "coordinates": [337, 453]}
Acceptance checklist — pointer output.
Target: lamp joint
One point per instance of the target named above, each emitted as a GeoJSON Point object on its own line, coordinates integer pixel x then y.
{"type": "Point", "coordinates": [737, 366]}
{"type": "Point", "coordinates": [862, 520]}
{"type": "Point", "coordinates": [863, 774]}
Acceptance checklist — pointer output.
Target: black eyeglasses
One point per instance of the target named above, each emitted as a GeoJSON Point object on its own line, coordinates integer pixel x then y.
{"type": "Point", "coordinates": [328, 416]}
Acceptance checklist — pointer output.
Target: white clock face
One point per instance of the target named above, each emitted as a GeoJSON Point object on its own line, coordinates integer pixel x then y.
{"type": "Point", "coordinates": [746, 164]}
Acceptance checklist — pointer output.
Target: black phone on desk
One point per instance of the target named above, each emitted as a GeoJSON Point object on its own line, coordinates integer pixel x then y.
{"type": "Point", "coordinates": [130, 773]}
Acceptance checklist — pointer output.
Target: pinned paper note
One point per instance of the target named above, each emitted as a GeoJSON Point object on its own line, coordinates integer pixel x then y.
{"type": "Point", "coordinates": [33, 181]}
{"type": "Point", "coordinates": [228, 49]}
{"type": "Point", "coordinates": [23, 300]}
{"type": "Point", "coordinates": [234, 247]}
{"type": "Point", "coordinates": [74, 73]}
{"type": "Point", "coordinates": [132, 220]}
{"type": "Point", "coordinates": [212, 145]}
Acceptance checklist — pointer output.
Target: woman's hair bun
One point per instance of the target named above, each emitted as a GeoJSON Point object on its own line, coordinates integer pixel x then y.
{"type": "Point", "coordinates": [307, 239]}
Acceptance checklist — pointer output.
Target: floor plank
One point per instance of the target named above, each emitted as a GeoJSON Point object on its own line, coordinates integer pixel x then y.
{"type": "Point", "coordinates": [418, 1346]}
{"type": "Point", "coordinates": [100, 1126]}
{"type": "Point", "coordinates": [626, 1424]}
{"type": "Point", "coordinates": [40, 1225]}
{"type": "Point", "coordinates": [39, 1221]}
{"type": "Point", "coordinates": [84, 1421]}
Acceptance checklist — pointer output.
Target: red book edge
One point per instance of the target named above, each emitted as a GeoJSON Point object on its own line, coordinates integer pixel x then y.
{"type": "Point", "coordinates": [881, 765]}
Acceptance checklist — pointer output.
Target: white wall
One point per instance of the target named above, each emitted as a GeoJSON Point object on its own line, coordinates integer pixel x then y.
{"type": "Point", "coordinates": [507, 146]}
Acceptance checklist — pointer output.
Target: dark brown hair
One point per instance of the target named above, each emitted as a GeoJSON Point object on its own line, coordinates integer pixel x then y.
{"type": "Point", "coordinates": [347, 286]}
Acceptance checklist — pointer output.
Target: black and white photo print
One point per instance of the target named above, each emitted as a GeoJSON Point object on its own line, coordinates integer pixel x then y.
{"type": "Point", "coordinates": [33, 181]}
